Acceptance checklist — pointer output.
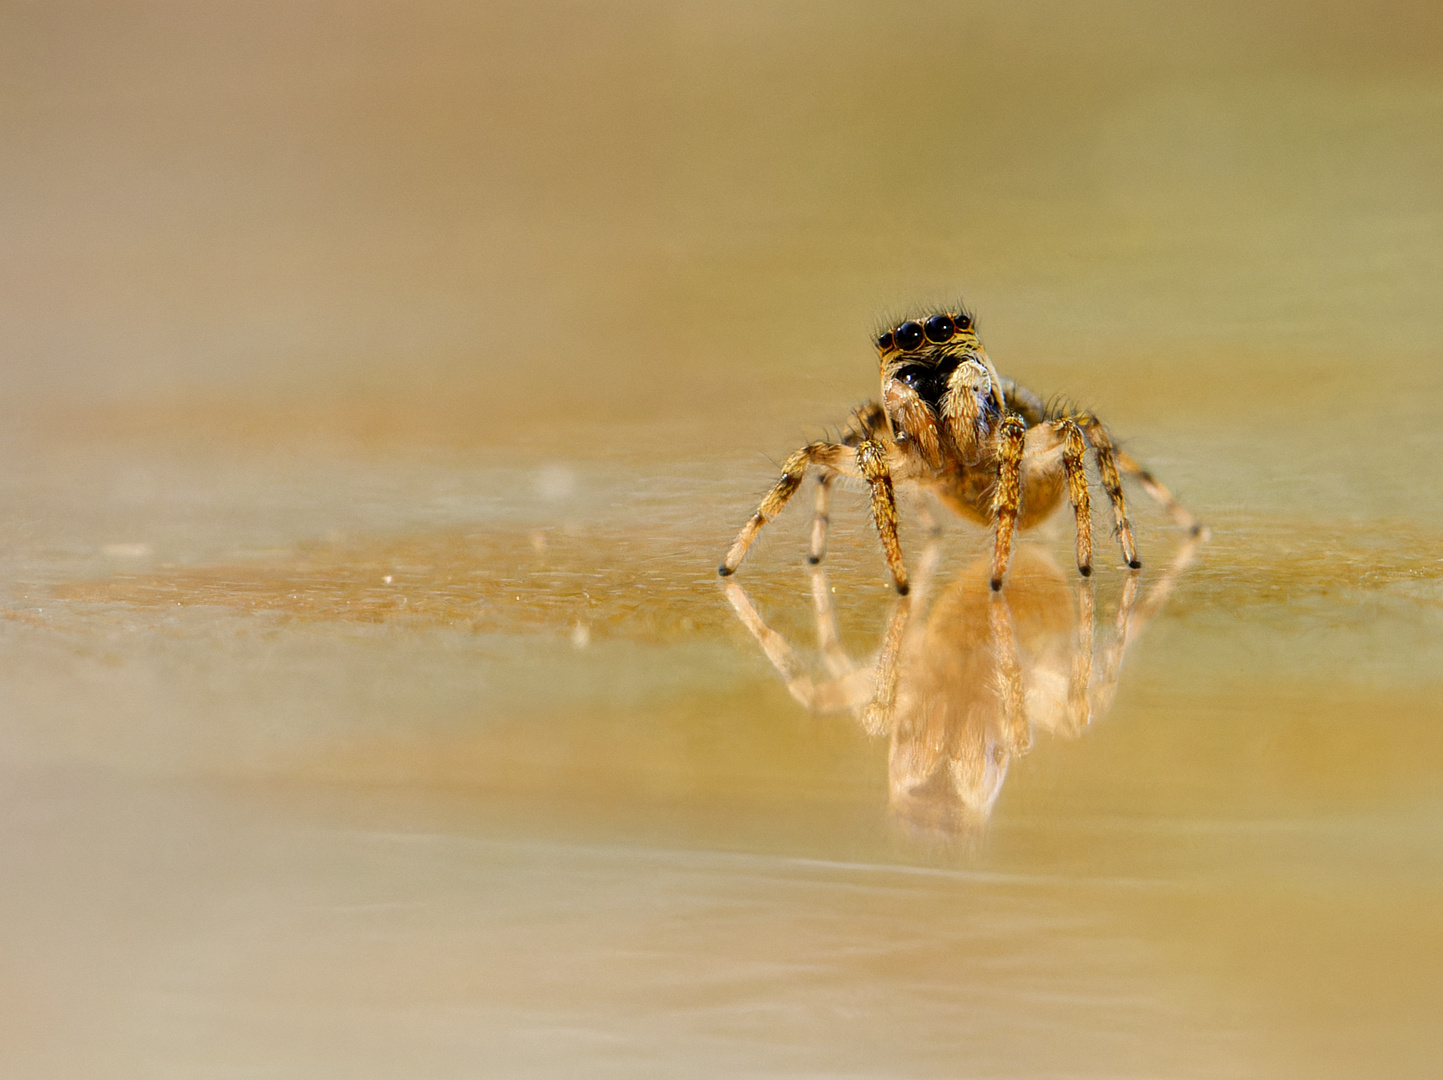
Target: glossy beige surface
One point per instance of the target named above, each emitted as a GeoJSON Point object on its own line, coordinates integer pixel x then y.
{"type": "Point", "coordinates": [384, 385]}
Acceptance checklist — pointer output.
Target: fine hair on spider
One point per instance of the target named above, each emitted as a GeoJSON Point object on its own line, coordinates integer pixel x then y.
{"type": "Point", "coordinates": [990, 450]}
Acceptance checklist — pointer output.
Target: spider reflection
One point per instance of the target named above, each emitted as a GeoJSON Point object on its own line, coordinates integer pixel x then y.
{"type": "Point", "coordinates": [960, 683]}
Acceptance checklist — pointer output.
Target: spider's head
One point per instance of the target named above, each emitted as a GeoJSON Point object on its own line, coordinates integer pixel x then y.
{"type": "Point", "coordinates": [933, 333]}
{"type": "Point", "coordinates": [924, 352]}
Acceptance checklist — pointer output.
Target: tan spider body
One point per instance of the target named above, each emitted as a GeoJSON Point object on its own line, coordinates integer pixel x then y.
{"type": "Point", "coordinates": [989, 449]}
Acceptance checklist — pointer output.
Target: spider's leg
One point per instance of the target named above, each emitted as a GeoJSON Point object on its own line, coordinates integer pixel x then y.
{"type": "Point", "coordinates": [1112, 484]}
{"type": "Point", "coordinates": [835, 695]}
{"type": "Point", "coordinates": [1007, 495]}
{"type": "Point", "coordinates": [865, 422]}
{"type": "Point", "coordinates": [821, 519]}
{"type": "Point", "coordinates": [823, 455]}
{"type": "Point", "coordinates": [1159, 493]}
{"type": "Point", "coordinates": [872, 463]}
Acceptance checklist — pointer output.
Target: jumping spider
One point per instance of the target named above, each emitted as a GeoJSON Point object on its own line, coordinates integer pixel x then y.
{"type": "Point", "coordinates": [989, 449]}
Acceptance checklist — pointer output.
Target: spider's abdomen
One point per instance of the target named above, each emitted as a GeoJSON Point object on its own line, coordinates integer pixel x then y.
{"type": "Point", "coordinates": [968, 494]}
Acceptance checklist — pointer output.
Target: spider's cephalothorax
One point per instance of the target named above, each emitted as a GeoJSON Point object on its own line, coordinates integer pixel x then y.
{"type": "Point", "coordinates": [988, 448]}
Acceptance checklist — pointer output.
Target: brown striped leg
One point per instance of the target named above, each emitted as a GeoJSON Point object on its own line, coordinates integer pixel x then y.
{"type": "Point", "coordinates": [1112, 484]}
{"type": "Point", "coordinates": [1159, 493]}
{"type": "Point", "coordinates": [824, 455]}
{"type": "Point", "coordinates": [821, 519]}
{"type": "Point", "coordinates": [866, 420]}
{"type": "Point", "coordinates": [1007, 496]}
{"type": "Point", "coordinates": [872, 463]}
{"type": "Point", "coordinates": [1074, 447]}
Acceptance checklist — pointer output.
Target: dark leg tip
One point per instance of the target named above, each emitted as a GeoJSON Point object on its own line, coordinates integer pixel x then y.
{"type": "Point", "coordinates": [903, 590]}
{"type": "Point", "coordinates": [1085, 571]}
{"type": "Point", "coordinates": [1135, 564]}
{"type": "Point", "coordinates": [812, 560]}
{"type": "Point", "coordinates": [724, 571]}
{"type": "Point", "coordinates": [997, 584]}
{"type": "Point", "coordinates": [1196, 530]}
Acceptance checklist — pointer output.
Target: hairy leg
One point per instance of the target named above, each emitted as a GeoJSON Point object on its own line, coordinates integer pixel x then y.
{"type": "Point", "coordinates": [1074, 447]}
{"type": "Point", "coordinates": [834, 456]}
{"type": "Point", "coordinates": [872, 462]}
{"type": "Point", "coordinates": [821, 519]}
{"type": "Point", "coordinates": [1159, 493]}
{"type": "Point", "coordinates": [1007, 495]}
{"type": "Point", "coordinates": [1112, 484]}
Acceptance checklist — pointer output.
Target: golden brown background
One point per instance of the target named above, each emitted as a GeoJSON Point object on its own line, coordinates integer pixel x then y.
{"type": "Point", "coordinates": [382, 383]}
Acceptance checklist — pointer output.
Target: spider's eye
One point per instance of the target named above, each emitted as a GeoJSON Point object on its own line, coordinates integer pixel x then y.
{"type": "Point", "coordinates": [909, 335]}
{"type": "Point", "coordinates": [939, 329]}
{"type": "Point", "coordinates": [885, 341]}
{"type": "Point", "coordinates": [963, 321]}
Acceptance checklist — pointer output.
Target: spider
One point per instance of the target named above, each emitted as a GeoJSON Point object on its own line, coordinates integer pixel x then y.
{"type": "Point", "coordinates": [989, 449]}
{"type": "Point", "coordinates": [960, 683]}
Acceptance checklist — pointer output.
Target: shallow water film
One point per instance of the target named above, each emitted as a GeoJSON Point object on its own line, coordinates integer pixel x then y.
{"type": "Point", "coordinates": [384, 384]}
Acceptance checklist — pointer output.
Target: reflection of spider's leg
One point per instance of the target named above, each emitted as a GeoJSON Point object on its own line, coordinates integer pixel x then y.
{"type": "Point", "coordinates": [1079, 698]}
{"type": "Point", "coordinates": [828, 636]}
{"type": "Point", "coordinates": [1112, 484]}
{"type": "Point", "coordinates": [1133, 617]}
{"type": "Point", "coordinates": [901, 639]}
{"type": "Point", "coordinates": [877, 718]}
{"type": "Point", "coordinates": [1017, 734]}
{"type": "Point", "coordinates": [1111, 664]}
{"type": "Point", "coordinates": [1179, 513]}
{"type": "Point", "coordinates": [831, 696]}
{"type": "Point", "coordinates": [1158, 594]}
{"type": "Point", "coordinates": [1007, 494]}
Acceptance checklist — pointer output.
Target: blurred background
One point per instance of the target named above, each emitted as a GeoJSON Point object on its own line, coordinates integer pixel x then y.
{"type": "Point", "coordinates": [383, 382]}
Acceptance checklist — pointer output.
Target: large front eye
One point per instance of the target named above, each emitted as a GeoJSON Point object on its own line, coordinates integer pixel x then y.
{"type": "Point", "coordinates": [909, 335]}
{"type": "Point", "coordinates": [939, 329]}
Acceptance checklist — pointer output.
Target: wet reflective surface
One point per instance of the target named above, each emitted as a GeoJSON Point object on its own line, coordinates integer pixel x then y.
{"type": "Point", "coordinates": [384, 389]}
